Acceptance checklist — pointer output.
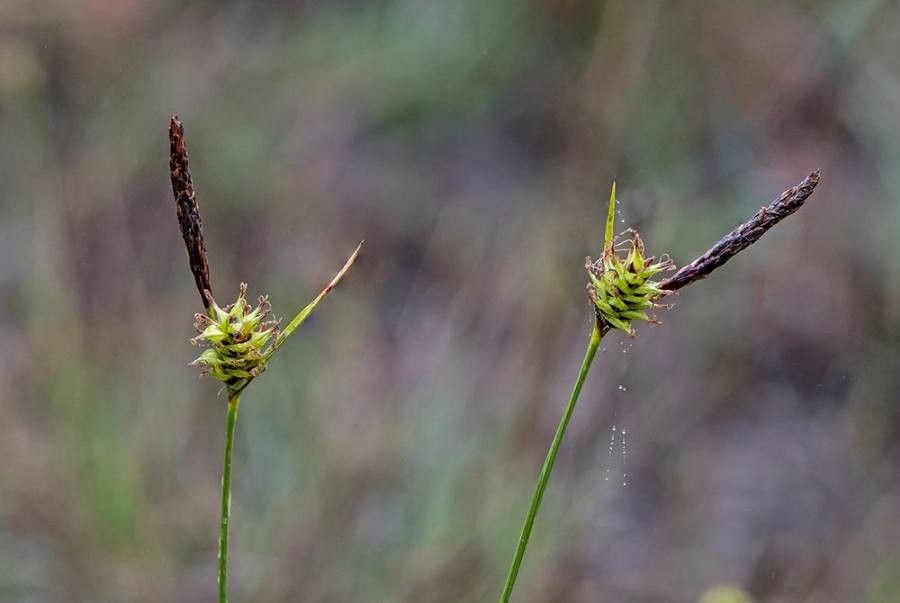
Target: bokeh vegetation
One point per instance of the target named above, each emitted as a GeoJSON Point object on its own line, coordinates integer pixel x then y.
{"type": "Point", "coordinates": [390, 451]}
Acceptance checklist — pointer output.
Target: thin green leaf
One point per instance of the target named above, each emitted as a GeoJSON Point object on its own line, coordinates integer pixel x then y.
{"type": "Point", "coordinates": [305, 312]}
{"type": "Point", "coordinates": [610, 221]}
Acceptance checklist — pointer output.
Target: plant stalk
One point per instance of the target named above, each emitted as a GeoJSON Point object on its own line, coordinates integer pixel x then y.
{"type": "Point", "coordinates": [544, 478]}
{"type": "Point", "coordinates": [234, 400]}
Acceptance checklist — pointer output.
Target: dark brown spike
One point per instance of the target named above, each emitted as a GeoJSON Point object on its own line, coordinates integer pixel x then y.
{"type": "Point", "coordinates": [187, 209]}
{"type": "Point", "coordinates": [744, 235]}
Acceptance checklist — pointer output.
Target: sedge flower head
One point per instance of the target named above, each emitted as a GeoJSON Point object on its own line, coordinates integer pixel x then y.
{"type": "Point", "coordinates": [621, 284]}
{"type": "Point", "coordinates": [237, 339]}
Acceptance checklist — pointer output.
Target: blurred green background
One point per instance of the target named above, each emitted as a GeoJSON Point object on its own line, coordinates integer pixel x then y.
{"type": "Point", "coordinates": [390, 451]}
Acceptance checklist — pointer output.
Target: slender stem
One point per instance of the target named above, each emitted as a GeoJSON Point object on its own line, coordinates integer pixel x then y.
{"type": "Point", "coordinates": [234, 400]}
{"type": "Point", "coordinates": [596, 335]}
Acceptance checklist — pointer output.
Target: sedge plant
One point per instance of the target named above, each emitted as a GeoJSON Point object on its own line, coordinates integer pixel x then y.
{"type": "Point", "coordinates": [239, 339]}
{"type": "Point", "coordinates": [623, 289]}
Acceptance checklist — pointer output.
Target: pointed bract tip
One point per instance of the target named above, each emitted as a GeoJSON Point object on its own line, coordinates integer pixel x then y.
{"type": "Point", "coordinates": [610, 220]}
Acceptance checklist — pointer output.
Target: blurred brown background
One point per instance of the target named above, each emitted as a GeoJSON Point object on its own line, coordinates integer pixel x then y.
{"type": "Point", "coordinates": [390, 451]}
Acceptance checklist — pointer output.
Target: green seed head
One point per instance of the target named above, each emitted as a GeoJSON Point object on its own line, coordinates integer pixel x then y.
{"type": "Point", "coordinates": [237, 337]}
{"type": "Point", "coordinates": [621, 285]}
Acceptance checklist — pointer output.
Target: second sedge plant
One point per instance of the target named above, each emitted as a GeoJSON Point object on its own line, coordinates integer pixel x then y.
{"type": "Point", "coordinates": [239, 340]}
{"type": "Point", "coordinates": [622, 289]}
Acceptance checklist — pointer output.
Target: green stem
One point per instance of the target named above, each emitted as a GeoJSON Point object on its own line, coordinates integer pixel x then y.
{"type": "Point", "coordinates": [596, 335]}
{"type": "Point", "coordinates": [234, 400]}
